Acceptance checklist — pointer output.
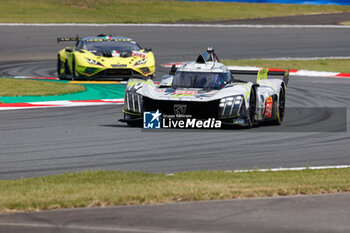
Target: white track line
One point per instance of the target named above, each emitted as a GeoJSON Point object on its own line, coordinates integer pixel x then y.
{"type": "Point", "coordinates": [298, 58]}
{"type": "Point", "coordinates": [292, 168]}
{"type": "Point", "coordinates": [284, 169]}
{"type": "Point", "coordinates": [60, 103]}
{"type": "Point", "coordinates": [314, 73]}
{"type": "Point", "coordinates": [173, 25]}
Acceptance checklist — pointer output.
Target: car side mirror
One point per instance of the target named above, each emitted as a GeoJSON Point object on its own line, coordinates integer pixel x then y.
{"type": "Point", "coordinates": [148, 49]}
{"type": "Point", "coordinates": [69, 50]}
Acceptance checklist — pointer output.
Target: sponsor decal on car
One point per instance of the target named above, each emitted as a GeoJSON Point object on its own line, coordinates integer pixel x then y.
{"type": "Point", "coordinates": [138, 54]}
{"type": "Point", "coordinates": [115, 53]}
{"type": "Point", "coordinates": [268, 107]}
{"type": "Point", "coordinates": [180, 109]}
{"type": "Point", "coordinates": [182, 92]}
{"type": "Point", "coordinates": [107, 38]}
{"type": "Point", "coordinates": [159, 90]}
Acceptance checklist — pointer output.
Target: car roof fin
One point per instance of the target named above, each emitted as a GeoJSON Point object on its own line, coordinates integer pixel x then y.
{"type": "Point", "coordinates": [173, 70]}
{"type": "Point", "coordinates": [209, 55]}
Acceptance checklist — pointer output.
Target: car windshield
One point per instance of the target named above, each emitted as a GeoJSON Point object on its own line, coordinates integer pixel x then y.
{"type": "Point", "coordinates": [108, 45]}
{"type": "Point", "coordinates": [204, 80]}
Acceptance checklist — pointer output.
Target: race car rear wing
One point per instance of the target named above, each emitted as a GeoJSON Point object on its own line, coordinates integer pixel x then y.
{"type": "Point", "coordinates": [264, 73]}
{"type": "Point", "coordinates": [66, 39]}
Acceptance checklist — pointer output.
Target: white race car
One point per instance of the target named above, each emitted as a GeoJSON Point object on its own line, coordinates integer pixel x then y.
{"type": "Point", "coordinates": [207, 89]}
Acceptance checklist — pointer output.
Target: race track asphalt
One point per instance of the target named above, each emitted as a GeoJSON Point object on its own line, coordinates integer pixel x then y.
{"type": "Point", "coordinates": [56, 140]}
{"type": "Point", "coordinates": [298, 214]}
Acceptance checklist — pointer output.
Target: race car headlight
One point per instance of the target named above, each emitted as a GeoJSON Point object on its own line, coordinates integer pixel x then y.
{"type": "Point", "coordinates": [133, 102]}
{"type": "Point", "coordinates": [140, 62]}
{"type": "Point", "coordinates": [231, 106]}
{"type": "Point", "coordinates": [93, 62]}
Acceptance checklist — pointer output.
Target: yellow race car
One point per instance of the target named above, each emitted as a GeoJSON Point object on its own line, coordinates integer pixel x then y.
{"type": "Point", "coordinates": [104, 58]}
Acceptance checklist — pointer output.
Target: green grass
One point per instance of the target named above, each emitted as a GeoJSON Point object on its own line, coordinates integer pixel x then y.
{"type": "Point", "coordinates": [333, 65]}
{"type": "Point", "coordinates": [146, 11]}
{"type": "Point", "coordinates": [103, 188]}
{"type": "Point", "coordinates": [16, 87]}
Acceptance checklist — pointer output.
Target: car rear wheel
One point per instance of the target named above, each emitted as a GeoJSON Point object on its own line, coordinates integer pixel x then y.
{"type": "Point", "coordinates": [281, 107]}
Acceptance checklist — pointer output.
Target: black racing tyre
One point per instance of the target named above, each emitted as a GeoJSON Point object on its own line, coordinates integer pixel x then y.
{"type": "Point", "coordinates": [74, 76]}
{"type": "Point", "coordinates": [281, 107]}
{"type": "Point", "coordinates": [66, 69]}
{"type": "Point", "coordinates": [252, 108]}
{"type": "Point", "coordinates": [59, 67]}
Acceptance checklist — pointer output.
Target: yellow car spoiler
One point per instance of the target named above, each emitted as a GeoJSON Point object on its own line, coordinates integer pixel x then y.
{"type": "Point", "coordinates": [66, 39]}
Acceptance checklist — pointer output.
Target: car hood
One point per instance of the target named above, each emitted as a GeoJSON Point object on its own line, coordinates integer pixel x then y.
{"type": "Point", "coordinates": [115, 59]}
